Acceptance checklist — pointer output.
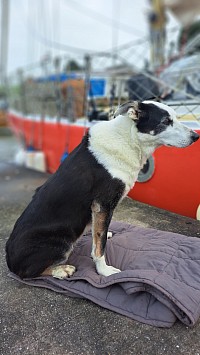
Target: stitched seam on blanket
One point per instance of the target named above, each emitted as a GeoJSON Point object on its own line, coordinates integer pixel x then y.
{"type": "Point", "coordinates": [167, 264]}
{"type": "Point", "coordinates": [166, 294]}
{"type": "Point", "coordinates": [112, 307]}
{"type": "Point", "coordinates": [176, 278]}
{"type": "Point", "coordinates": [175, 308]}
{"type": "Point", "coordinates": [162, 272]}
{"type": "Point", "coordinates": [45, 283]}
{"type": "Point", "coordinates": [178, 303]}
{"type": "Point", "coordinates": [152, 250]}
{"type": "Point", "coordinates": [158, 271]}
{"type": "Point", "coordinates": [157, 251]}
{"type": "Point", "coordinates": [76, 252]}
{"type": "Point", "coordinates": [151, 232]}
{"type": "Point", "coordinates": [152, 283]}
{"type": "Point", "coordinates": [150, 295]}
{"type": "Point", "coordinates": [141, 280]}
{"type": "Point", "coordinates": [75, 291]}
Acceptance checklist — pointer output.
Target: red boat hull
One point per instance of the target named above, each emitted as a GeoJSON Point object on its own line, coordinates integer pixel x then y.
{"type": "Point", "coordinates": [174, 185]}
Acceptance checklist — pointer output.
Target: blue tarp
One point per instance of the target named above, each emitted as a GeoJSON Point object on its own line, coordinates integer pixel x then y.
{"type": "Point", "coordinates": [57, 77]}
{"type": "Point", "coordinates": [97, 86]}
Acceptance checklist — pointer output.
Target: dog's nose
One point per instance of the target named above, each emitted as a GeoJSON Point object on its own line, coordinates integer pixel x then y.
{"type": "Point", "coordinates": [194, 136]}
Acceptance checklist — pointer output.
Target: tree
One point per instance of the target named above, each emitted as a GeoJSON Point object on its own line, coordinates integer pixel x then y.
{"type": "Point", "coordinates": [188, 33]}
{"type": "Point", "coordinates": [72, 65]}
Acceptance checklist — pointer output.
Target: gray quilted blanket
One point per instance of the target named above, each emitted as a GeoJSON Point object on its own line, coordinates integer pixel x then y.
{"type": "Point", "coordinates": [159, 282]}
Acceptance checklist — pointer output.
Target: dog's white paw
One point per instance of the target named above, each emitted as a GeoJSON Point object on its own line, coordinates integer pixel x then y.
{"type": "Point", "coordinates": [63, 271]}
{"type": "Point", "coordinates": [109, 235]}
{"type": "Point", "coordinates": [104, 269]}
{"type": "Point", "coordinates": [107, 270]}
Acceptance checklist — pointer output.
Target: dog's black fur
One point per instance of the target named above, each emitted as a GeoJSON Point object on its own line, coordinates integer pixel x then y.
{"type": "Point", "coordinates": [59, 212]}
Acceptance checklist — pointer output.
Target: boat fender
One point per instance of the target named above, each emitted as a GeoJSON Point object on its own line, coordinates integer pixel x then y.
{"type": "Point", "coordinates": [198, 213]}
{"type": "Point", "coordinates": [147, 171]}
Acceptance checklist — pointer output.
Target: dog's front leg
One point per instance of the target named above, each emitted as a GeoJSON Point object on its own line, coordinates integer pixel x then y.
{"type": "Point", "coordinates": [100, 223]}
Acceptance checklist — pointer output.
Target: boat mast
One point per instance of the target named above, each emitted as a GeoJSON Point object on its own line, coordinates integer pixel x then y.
{"type": "Point", "coordinates": [157, 21]}
{"type": "Point", "coordinates": [4, 41]}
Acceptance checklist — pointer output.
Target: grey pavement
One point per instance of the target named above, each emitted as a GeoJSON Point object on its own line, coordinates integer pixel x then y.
{"type": "Point", "coordinates": [38, 321]}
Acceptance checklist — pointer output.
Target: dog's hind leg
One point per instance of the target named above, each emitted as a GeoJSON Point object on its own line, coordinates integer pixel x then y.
{"type": "Point", "coordinates": [59, 271]}
{"type": "Point", "coordinates": [31, 257]}
{"type": "Point", "coordinates": [101, 218]}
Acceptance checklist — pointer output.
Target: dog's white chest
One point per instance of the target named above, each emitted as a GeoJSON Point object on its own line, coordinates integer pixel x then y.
{"type": "Point", "coordinates": [114, 150]}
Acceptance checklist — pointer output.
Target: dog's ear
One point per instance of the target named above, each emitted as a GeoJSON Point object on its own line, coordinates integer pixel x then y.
{"type": "Point", "coordinates": [129, 109]}
{"type": "Point", "coordinates": [157, 98]}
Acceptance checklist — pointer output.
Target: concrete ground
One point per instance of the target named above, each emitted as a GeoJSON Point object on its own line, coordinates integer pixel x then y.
{"type": "Point", "coordinates": [38, 321]}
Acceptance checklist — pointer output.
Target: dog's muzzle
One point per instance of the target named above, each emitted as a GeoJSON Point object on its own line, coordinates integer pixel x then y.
{"type": "Point", "coordinates": [194, 136]}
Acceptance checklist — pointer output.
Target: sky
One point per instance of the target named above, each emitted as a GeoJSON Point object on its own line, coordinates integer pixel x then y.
{"type": "Point", "coordinates": [94, 25]}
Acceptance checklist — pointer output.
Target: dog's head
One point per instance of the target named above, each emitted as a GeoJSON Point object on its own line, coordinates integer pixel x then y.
{"type": "Point", "coordinates": [156, 123]}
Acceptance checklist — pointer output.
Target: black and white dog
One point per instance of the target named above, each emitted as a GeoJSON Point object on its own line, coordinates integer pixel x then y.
{"type": "Point", "coordinates": [88, 186]}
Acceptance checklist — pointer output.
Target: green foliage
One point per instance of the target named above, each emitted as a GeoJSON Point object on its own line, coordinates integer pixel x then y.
{"type": "Point", "coordinates": [15, 90]}
{"type": "Point", "coordinates": [2, 91]}
{"type": "Point", "coordinates": [187, 34]}
{"type": "Point", "coordinates": [72, 65]}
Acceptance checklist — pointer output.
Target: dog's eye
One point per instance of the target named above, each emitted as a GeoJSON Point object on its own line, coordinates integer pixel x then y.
{"type": "Point", "coordinates": [166, 121]}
